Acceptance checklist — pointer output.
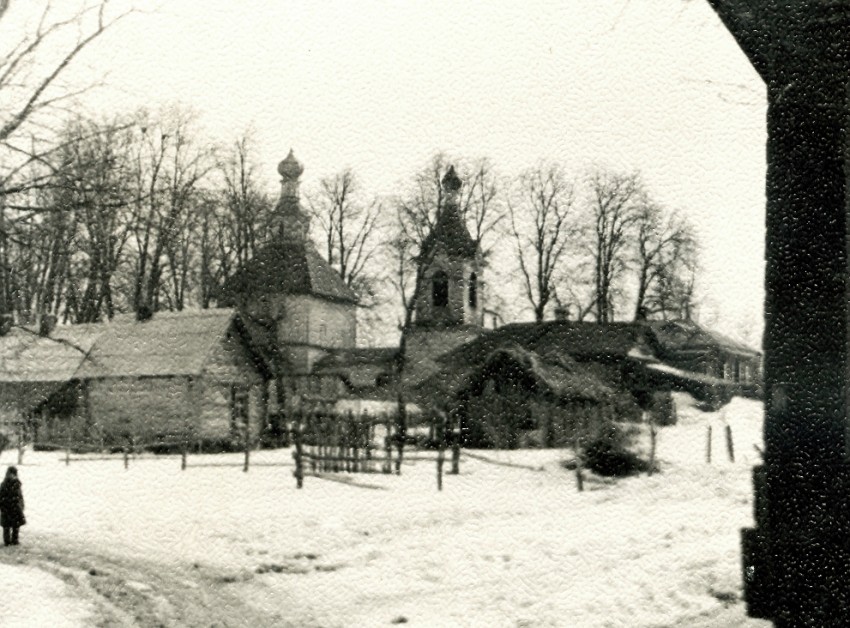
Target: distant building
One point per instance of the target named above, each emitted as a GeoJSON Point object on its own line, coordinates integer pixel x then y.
{"type": "Point", "coordinates": [285, 337]}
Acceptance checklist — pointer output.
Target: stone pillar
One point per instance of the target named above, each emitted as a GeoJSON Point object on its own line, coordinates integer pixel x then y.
{"type": "Point", "coordinates": [797, 558]}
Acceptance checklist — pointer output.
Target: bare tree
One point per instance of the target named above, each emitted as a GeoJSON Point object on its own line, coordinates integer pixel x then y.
{"type": "Point", "coordinates": [170, 168]}
{"type": "Point", "coordinates": [39, 42]}
{"type": "Point", "coordinates": [345, 223]}
{"type": "Point", "coordinates": [89, 227]}
{"type": "Point", "coordinates": [665, 260]}
{"type": "Point", "coordinates": [674, 295]}
{"type": "Point", "coordinates": [540, 216]}
{"type": "Point", "coordinates": [246, 207]}
{"type": "Point", "coordinates": [32, 64]}
{"type": "Point", "coordinates": [615, 200]}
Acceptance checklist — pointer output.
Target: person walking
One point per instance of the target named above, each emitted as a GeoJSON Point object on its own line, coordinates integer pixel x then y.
{"type": "Point", "coordinates": [11, 506]}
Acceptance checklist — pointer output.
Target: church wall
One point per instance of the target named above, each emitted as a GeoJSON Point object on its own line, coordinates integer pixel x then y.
{"type": "Point", "coordinates": [332, 324]}
{"type": "Point", "coordinates": [457, 310]}
{"type": "Point", "coordinates": [309, 324]}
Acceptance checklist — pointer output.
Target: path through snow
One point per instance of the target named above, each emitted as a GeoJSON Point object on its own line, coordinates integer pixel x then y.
{"type": "Point", "coordinates": [31, 598]}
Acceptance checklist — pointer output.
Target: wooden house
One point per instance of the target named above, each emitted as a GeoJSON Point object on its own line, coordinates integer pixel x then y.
{"type": "Point", "coordinates": [172, 377]}
{"type": "Point", "coordinates": [690, 347]}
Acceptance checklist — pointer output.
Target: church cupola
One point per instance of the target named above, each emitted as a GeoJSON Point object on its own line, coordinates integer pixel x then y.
{"type": "Point", "coordinates": [451, 292]}
{"type": "Point", "coordinates": [290, 221]}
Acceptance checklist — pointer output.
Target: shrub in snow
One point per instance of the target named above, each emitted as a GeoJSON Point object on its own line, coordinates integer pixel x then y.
{"type": "Point", "coordinates": [609, 451]}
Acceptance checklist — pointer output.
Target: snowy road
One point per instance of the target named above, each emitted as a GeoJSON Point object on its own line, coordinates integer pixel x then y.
{"type": "Point", "coordinates": [30, 597]}
{"type": "Point", "coordinates": [61, 586]}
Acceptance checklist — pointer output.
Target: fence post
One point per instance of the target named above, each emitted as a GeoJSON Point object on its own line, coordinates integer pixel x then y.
{"type": "Point", "coordinates": [652, 437]}
{"type": "Point", "coordinates": [708, 446]}
{"type": "Point", "coordinates": [356, 426]}
{"type": "Point", "coordinates": [388, 444]}
{"type": "Point", "coordinates": [730, 446]}
{"type": "Point", "coordinates": [298, 454]}
{"type": "Point", "coordinates": [126, 457]}
{"type": "Point", "coordinates": [68, 445]}
{"type": "Point", "coordinates": [21, 432]}
{"type": "Point", "coordinates": [438, 425]}
{"type": "Point", "coordinates": [368, 441]}
{"type": "Point", "coordinates": [247, 443]}
{"type": "Point", "coordinates": [337, 444]}
{"type": "Point", "coordinates": [456, 447]}
{"type": "Point", "coordinates": [401, 435]}
{"type": "Point", "coordinates": [576, 447]}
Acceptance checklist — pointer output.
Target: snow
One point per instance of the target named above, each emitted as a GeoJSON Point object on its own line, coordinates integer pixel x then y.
{"type": "Point", "coordinates": [510, 544]}
{"type": "Point", "coordinates": [30, 597]}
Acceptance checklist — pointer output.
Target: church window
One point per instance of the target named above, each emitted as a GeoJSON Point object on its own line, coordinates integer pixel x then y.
{"type": "Point", "coordinates": [473, 291]}
{"type": "Point", "coordinates": [440, 289]}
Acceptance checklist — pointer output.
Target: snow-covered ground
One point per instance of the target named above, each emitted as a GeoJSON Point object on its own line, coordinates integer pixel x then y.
{"type": "Point", "coordinates": [30, 597]}
{"type": "Point", "coordinates": [511, 544]}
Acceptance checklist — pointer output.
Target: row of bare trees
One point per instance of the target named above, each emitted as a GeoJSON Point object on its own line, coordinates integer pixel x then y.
{"type": "Point", "coordinates": [131, 214]}
{"type": "Point", "coordinates": [589, 247]}
{"type": "Point", "coordinates": [140, 213]}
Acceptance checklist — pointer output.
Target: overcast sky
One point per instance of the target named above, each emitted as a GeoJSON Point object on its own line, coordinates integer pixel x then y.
{"type": "Point", "coordinates": [653, 85]}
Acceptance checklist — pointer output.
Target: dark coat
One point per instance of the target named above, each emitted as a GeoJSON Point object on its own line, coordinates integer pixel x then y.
{"type": "Point", "coordinates": [11, 503]}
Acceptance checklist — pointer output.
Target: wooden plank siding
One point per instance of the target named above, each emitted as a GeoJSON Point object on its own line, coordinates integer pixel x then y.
{"type": "Point", "coordinates": [170, 407]}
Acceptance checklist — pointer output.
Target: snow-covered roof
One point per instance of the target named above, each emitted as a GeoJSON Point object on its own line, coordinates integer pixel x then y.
{"type": "Point", "coordinates": [169, 343]}
{"type": "Point", "coordinates": [25, 356]}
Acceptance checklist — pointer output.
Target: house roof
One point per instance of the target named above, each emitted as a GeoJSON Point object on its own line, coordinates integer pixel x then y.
{"type": "Point", "coordinates": [26, 356]}
{"type": "Point", "coordinates": [169, 343]}
{"type": "Point", "coordinates": [554, 373]}
{"type": "Point", "coordinates": [578, 339]}
{"type": "Point", "coordinates": [686, 336]}
{"type": "Point", "coordinates": [288, 267]}
{"type": "Point", "coordinates": [344, 359]}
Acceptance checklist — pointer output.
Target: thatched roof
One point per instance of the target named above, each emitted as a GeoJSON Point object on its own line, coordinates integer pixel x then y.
{"type": "Point", "coordinates": [25, 356]}
{"type": "Point", "coordinates": [370, 372]}
{"type": "Point", "coordinates": [578, 339]}
{"type": "Point", "coordinates": [34, 367]}
{"type": "Point", "coordinates": [554, 374]}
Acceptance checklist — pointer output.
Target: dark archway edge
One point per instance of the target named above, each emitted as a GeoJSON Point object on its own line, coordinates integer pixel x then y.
{"type": "Point", "coordinates": [797, 558]}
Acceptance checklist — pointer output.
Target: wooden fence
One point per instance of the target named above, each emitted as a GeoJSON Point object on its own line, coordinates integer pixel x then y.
{"type": "Point", "coordinates": [322, 442]}
{"type": "Point", "coordinates": [351, 443]}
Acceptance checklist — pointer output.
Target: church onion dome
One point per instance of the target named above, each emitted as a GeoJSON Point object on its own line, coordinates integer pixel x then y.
{"type": "Point", "coordinates": [290, 168]}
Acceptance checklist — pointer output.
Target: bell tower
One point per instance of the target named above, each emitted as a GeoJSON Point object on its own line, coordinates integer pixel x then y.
{"type": "Point", "coordinates": [450, 293]}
